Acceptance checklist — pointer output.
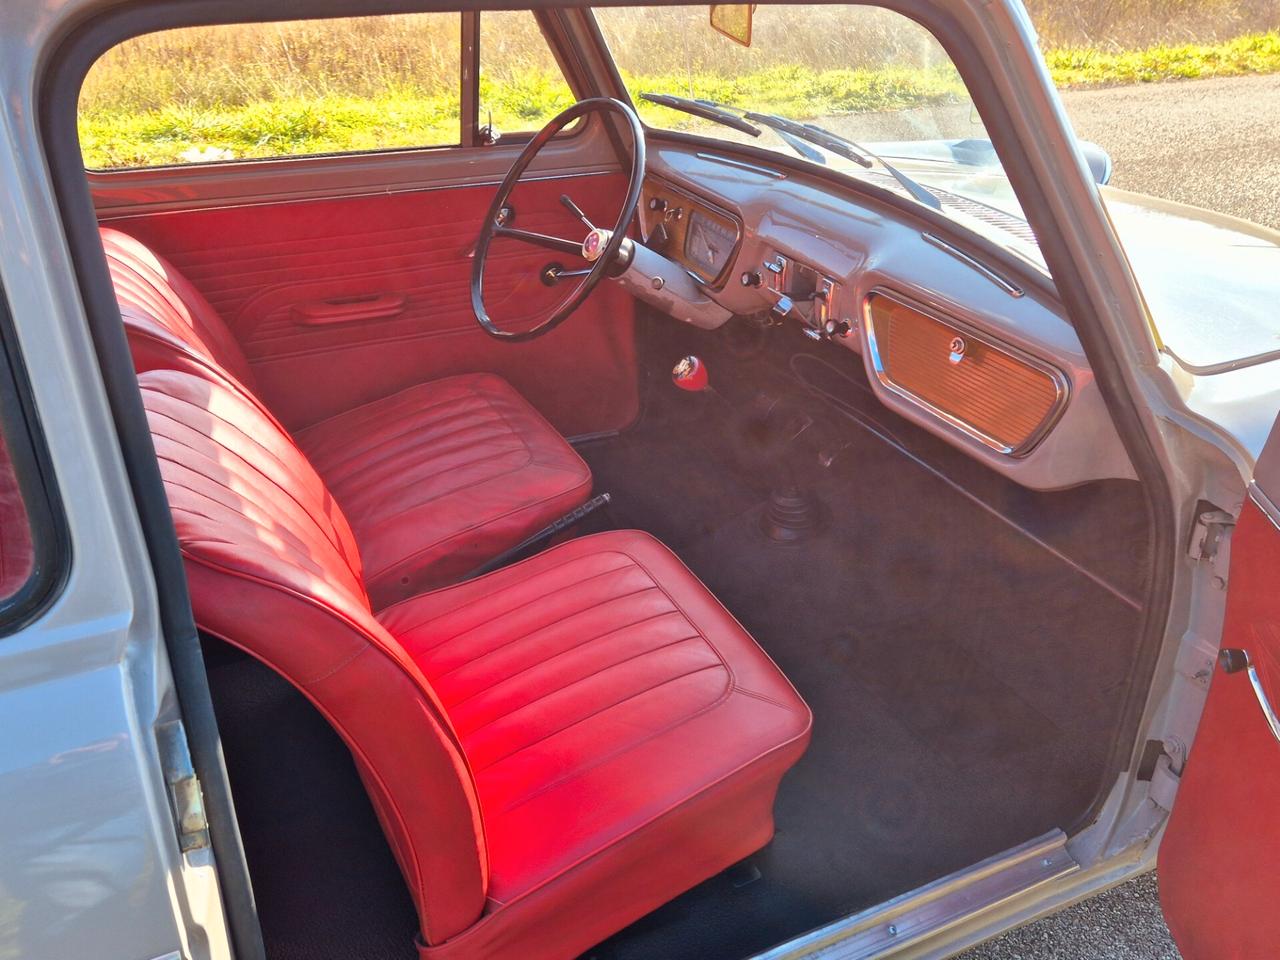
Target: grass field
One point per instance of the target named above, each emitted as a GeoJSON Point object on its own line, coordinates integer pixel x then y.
{"type": "Point", "coordinates": [367, 83]}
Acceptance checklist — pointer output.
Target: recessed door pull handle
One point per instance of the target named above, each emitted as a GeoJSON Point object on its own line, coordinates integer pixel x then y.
{"type": "Point", "coordinates": [1233, 660]}
{"type": "Point", "coordinates": [350, 309]}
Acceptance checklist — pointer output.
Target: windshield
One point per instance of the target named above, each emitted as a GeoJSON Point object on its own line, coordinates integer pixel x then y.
{"type": "Point", "coordinates": [869, 93]}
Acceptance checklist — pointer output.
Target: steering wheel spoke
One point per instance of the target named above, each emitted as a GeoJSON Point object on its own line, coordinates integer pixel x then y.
{"type": "Point", "coordinates": [558, 244]}
{"type": "Point", "coordinates": [605, 244]}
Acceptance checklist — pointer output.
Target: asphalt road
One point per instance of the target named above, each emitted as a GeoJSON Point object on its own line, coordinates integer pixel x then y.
{"type": "Point", "coordinates": [1215, 144]}
{"type": "Point", "coordinates": [1211, 143]}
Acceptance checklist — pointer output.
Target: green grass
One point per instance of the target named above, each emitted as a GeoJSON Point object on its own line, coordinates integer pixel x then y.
{"type": "Point", "coordinates": [117, 134]}
{"type": "Point", "coordinates": [323, 124]}
{"type": "Point", "coordinates": [1079, 66]}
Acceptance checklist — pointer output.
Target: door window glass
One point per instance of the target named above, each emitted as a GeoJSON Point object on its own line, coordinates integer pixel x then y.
{"type": "Point", "coordinates": [262, 90]}
{"type": "Point", "coordinates": [521, 84]}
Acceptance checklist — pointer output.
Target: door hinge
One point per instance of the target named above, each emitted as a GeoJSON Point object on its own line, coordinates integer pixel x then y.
{"type": "Point", "coordinates": [185, 797]}
{"type": "Point", "coordinates": [1210, 527]}
{"type": "Point", "coordinates": [1167, 774]}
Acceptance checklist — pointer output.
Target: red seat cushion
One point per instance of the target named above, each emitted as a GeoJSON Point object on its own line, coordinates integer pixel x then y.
{"type": "Point", "coordinates": [436, 479]}
{"type": "Point", "coordinates": [612, 711]}
{"type": "Point", "coordinates": [536, 742]}
{"type": "Point", "coordinates": [441, 477]}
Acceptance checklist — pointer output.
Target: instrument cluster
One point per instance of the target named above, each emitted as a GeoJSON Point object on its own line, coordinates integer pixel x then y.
{"type": "Point", "coordinates": [703, 238]}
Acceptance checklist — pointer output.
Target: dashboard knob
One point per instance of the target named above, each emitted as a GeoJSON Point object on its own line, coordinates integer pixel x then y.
{"type": "Point", "coordinates": [837, 328]}
{"type": "Point", "coordinates": [657, 204]}
{"type": "Point", "coordinates": [751, 278]}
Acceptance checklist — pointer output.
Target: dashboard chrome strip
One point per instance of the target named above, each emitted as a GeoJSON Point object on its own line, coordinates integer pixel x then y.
{"type": "Point", "coordinates": [1008, 286]}
{"type": "Point", "coordinates": [877, 362]}
{"type": "Point", "coordinates": [741, 165]}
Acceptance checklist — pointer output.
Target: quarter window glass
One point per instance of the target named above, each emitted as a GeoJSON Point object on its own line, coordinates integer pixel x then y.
{"type": "Point", "coordinates": [17, 555]}
{"type": "Point", "coordinates": [273, 90]}
{"type": "Point", "coordinates": [30, 544]}
{"type": "Point", "coordinates": [521, 84]}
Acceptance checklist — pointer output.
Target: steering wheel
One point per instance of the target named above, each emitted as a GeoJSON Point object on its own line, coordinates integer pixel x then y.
{"type": "Point", "coordinates": [601, 246]}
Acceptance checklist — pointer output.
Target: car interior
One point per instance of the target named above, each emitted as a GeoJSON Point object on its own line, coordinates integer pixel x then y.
{"type": "Point", "coordinates": [765, 555]}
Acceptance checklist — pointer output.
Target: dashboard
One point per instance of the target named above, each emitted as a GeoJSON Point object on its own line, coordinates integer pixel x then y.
{"type": "Point", "coordinates": [954, 341]}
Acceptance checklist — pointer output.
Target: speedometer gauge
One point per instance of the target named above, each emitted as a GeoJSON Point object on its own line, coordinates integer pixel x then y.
{"type": "Point", "coordinates": [708, 244]}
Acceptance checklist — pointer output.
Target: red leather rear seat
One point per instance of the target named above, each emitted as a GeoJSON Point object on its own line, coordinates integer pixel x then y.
{"type": "Point", "coordinates": [436, 479]}
{"type": "Point", "coordinates": [553, 750]}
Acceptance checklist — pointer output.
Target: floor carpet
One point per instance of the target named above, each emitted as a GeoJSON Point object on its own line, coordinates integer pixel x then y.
{"type": "Point", "coordinates": [964, 644]}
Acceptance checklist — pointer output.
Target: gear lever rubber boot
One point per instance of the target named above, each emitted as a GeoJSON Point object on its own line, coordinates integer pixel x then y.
{"type": "Point", "coordinates": [792, 514]}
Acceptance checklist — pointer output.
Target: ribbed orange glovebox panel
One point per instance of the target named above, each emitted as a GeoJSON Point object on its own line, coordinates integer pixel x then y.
{"type": "Point", "coordinates": [993, 392]}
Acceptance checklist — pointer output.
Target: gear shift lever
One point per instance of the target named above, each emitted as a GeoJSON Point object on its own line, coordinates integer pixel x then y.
{"type": "Point", "coordinates": [690, 374]}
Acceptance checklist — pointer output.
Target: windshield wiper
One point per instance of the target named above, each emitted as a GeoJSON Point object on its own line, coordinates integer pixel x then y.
{"type": "Point", "coordinates": [705, 109]}
{"type": "Point", "coordinates": [844, 147]}
{"type": "Point", "coordinates": [796, 135]}
{"type": "Point", "coordinates": [710, 110]}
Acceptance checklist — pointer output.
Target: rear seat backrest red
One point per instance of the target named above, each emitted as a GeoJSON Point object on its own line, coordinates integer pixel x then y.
{"type": "Point", "coordinates": [274, 568]}
{"type": "Point", "coordinates": [169, 322]}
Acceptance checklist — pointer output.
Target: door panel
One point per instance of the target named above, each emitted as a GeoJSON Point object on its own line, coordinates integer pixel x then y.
{"type": "Point", "coordinates": [394, 270]}
{"type": "Point", "coordinates": [1219, 861]}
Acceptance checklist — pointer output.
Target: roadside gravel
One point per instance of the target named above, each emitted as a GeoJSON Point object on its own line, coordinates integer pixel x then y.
{"type": "Point", "coordinates": [1122, 924]}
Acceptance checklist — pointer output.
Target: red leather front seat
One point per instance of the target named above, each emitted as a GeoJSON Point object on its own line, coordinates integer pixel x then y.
{"type": "Point", "coordinates": [436, 479]}
{"type": "Point", "coordinates": [553, 750]}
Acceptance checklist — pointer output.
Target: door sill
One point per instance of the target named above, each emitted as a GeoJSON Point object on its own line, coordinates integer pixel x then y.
{"type": "Point", "coordinates": [897, 924]}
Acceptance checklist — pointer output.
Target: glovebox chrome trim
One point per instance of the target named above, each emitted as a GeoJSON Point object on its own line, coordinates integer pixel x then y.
{"type": "Point", "coordinates": [895, 925]}
{"type": "Point", "coordinates": [1059, 379]}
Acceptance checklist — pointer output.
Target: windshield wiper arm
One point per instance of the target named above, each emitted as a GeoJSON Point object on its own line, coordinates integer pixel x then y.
{"type": "Point", "coordinates": [912, 186]}
{"type": "Point", "coordinates": [808, 132]}
{"type": "Point", "coordinates": [844, 147]}
{"type": "Point", "coordinates": [795, 135]}
{"type": "Point", "coordinates": [704, 109]}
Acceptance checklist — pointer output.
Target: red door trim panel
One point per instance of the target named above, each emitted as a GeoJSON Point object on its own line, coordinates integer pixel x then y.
{"type": "Point", "coordinates": [1218, 860]}
{"type": "Point", "coordinates": [259, 265]}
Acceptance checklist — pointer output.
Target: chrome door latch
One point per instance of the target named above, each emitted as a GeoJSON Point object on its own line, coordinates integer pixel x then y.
{"type": "Point", "coordinates": [185, 797]}
{"type": "Point", "coordinates": [1233, 660]}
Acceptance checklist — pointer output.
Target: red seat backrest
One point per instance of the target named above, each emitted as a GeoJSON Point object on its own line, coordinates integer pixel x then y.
{"type": "Point", "coordinates": [273, 568]}
{"type": "Point", "coordinates": [169, 322]}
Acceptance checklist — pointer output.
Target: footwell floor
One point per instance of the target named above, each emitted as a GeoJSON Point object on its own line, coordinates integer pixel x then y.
{"type": "Point", "coordinates": [964, 645]}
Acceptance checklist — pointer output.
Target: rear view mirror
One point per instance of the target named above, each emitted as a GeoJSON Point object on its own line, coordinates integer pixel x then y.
{"type": "Point", "coordinates": [733, 20]}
